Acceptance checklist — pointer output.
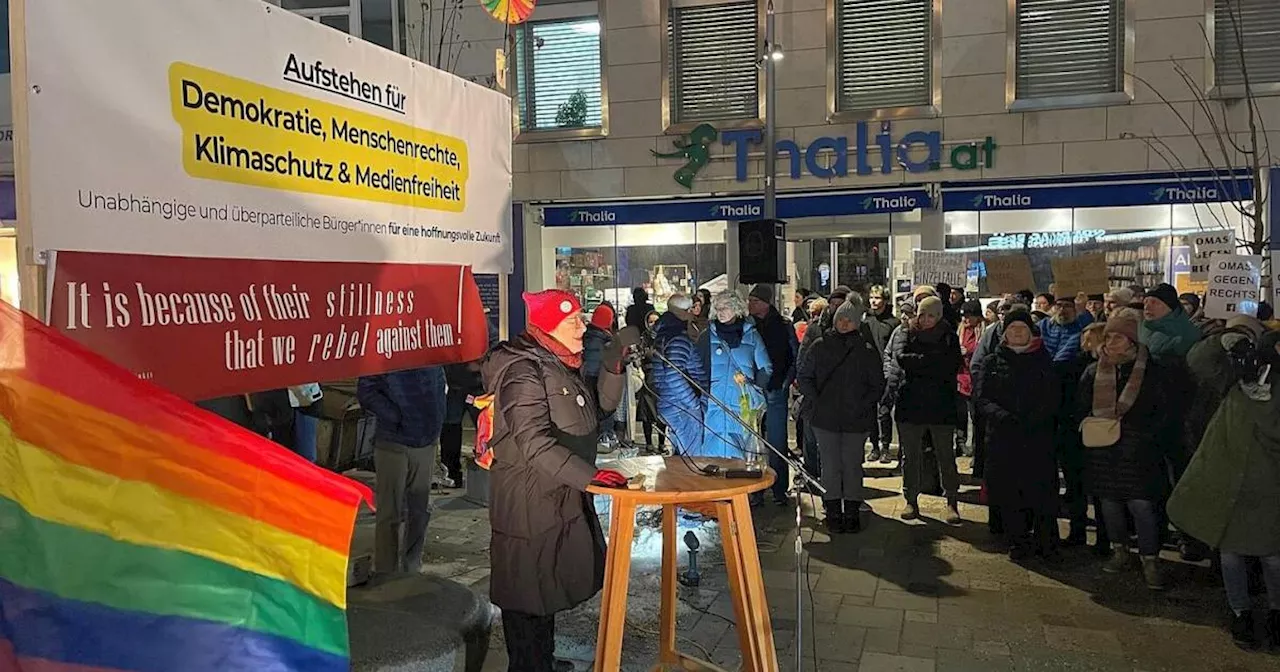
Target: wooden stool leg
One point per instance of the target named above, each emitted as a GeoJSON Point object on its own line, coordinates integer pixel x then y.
{"type": "Point", "coordinates": [753, 577]}
{"type": "Point", "coordinates": [667, 641]}
{"type": "Point", "coordinates": [738, 586]}
{"type": "Point", "coordinates": [613, 603]}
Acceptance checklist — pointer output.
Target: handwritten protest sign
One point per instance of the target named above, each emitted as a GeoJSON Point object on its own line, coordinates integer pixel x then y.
{"type": "Point", "coordinates": [930, 267]}
{"type": "Point", "coordinates": [1086, 273]}
{"type": "Point", "coordinates": [1008, 273]}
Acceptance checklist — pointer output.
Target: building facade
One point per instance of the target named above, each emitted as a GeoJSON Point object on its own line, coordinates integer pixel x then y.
{"type": "Point", "coordinates": [1044, 127]}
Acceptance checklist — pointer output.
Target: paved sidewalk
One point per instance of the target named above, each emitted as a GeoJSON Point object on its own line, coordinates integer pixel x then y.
{"type": "Point", "coordinates": [899, 597]}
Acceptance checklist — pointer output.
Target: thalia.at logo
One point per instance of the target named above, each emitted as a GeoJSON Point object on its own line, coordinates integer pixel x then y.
{"type": "Point", "coordinates": [997, 201]}
{"type": "Point", "coordinates": [731, 211]}
{"type": "Point", "coordinates": [1184, 194]}
{"type": "Point", "coordinates": [588, 216]}
{"type": "Point", "coordinates": [890, 202]}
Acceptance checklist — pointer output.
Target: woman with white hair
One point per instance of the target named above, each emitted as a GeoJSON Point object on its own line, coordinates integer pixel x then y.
{"type": "Point", "coordinates": [740, 368]}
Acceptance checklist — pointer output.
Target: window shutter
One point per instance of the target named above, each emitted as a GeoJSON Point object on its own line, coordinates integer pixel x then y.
{"type": "Point", "coordinates": [556, 60]}
{"type": "Point", "coordinates": [884, 54]}
{"type": "Point", "coordinates": [713, 73]}
{"type": "Point", "coordinates": [1070, 47]}
{"type": "Point", "coordinates": [1258, 23]}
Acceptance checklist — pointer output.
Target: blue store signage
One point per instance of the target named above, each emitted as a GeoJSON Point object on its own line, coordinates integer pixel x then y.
{"type": "Point", "coordinates": [1094, 195]}
{"type": "Point", "coordinates": [736, 209]}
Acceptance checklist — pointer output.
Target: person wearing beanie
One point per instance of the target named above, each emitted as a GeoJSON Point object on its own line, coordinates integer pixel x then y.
{"type": "Point", "coordinates": [677, 362]}
{"type": "Point", "coordinates": [1119, 297]}
{"type": "Point", "coordinates": [1129, 477]}
{"type": "Point", "coordinates": [597, 338]}
{"type": "Point", "coordinates": [1167, 330]}
{"type": "Point", "coordinates": [843, 382]}
{"type": "Point", "coordinates": [922, 378]}
{"type": "Point", "coordinates": [783, 347]}
{"type": "Point", "coordinates": [950, 310]}
{"type": "Point", "coordinates": [1018, 397]}
{"type": "Point", "coordinates": [545, 422]}
{"type": "Point", "coordinates": [824, 321]}
{"type": "Point", "coordinates": [640, 306]}
{"type": "Point", "coordinates": [1095, 304]}
{"type": "Point", "coordinates": [880, 323]}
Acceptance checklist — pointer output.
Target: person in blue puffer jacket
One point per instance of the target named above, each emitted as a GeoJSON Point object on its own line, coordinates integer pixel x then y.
{"type": "Point", "coordinates": [739, 362]}
{"type": "Point", "coordinates": [679, 404]}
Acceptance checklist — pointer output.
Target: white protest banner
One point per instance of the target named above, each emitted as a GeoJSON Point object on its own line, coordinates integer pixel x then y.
{"type": "Point", "coordinates": [1235, 284]}
{"type": "Point", "coordinates": [1206, 244]}
{"type": "Point", "coordinates": [235, 129]}
{"type": "Point", "coordinates": [930, 267]}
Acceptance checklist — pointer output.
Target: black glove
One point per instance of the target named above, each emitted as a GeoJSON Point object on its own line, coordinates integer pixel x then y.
{"type": "Point", "coordinates": [615, 353]}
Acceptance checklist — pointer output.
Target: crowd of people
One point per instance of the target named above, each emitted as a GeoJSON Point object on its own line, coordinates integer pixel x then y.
{"type": "Point", "coordinates": [1133, 404]}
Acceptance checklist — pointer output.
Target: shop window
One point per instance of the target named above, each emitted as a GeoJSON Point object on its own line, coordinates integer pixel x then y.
{"type": "Point", "coordinates": [885, 57]}
{"type": "Point", "coordinates": [1069, 53]}
{"type": "Point", "coordinates": [378, 21]}
{"type": "Point", "coordinates": [712, 56]}
{"type": "Point", "coordinates": [558, 82]}
{"type": "Point", "coordinates": [1238, 24]}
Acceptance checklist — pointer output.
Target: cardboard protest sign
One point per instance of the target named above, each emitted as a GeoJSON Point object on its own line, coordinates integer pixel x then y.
{"type": "Point", "coordinates": [1087, 273]}
{"type": "Point", "coordinates": [1008, 273]}
{"type": "Point", "coordinates": [930, 267]}
{"type": "Point", "coordinates": [1206, 244]}
{"type": "Point", "coordinates": [1235, 285]}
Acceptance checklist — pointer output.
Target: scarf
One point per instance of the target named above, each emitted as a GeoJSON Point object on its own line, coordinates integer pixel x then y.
{"type": "Point", "coordinates": [1032, 346]}
{"type": "Point", "coordinates": [730, 333]}
{"type": "Point", "coordinates": [1105, 402]}
{"type": "Point", "coordinates": [550, 344]}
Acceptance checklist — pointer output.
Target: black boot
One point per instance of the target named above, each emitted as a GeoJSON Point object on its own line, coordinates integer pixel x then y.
{"type": "Point", "coordinates": [1242, 632]}
{"type": "Point", "coordinates": [852, 516]}
{"type": "Point", "coordinates": [835, 517]}
{"type": "Point", "coordinates": [875, 455]}
{"type": "Point", "coordinates": [886, 455]}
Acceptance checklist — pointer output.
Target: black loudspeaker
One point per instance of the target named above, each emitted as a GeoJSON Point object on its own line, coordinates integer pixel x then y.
{"type": "Point", "coordinates": [760, 251]}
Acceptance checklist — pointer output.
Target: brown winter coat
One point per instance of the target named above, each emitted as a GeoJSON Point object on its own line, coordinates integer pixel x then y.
{"type": "Point", "coordinates": [547, 550]}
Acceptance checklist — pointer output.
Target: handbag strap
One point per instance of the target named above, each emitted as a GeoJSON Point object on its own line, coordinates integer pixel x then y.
{"type": "Point", "coordinates": [835, 368]}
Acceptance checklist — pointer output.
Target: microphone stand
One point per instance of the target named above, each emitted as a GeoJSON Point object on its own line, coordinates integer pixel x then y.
{"type": "Point", "coordinates": [801, 480]}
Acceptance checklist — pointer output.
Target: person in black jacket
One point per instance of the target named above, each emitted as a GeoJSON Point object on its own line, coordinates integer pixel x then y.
{"type": "Point", "coordinates": [639, 307]}
{"type": "Point", "coordinates": [463, 381]}
{"type": "Point", "coordinates": [780, 341]}
{"type": "Point", "coordinates": [842, 376]}
{"type": "Point", "coordinates": [926, 404]}
{"type": "Point", "coordinates": [880, 323]}
{"type": "Point", "coordinates": [1018, 393]}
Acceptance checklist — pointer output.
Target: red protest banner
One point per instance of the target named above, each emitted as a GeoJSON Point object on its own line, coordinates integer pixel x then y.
{"type": "Point", "coordinates": [206, 328]}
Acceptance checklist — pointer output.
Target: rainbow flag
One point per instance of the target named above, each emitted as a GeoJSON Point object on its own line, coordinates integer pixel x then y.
{"type": "Point", "coordinates": [140, 533]}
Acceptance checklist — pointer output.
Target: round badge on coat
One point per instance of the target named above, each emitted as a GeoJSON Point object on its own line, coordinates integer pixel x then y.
{"type": "Point", "coordinates": [719, 351]}
{"type": "Point", "coordinates": [581, 402]}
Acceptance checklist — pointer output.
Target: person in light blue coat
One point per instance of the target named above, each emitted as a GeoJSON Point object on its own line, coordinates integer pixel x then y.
{"type": "Point", "coordinates": [732, 346]}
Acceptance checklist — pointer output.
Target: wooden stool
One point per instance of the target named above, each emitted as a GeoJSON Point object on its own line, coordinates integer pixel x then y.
{"type": "Point", "coordinates": [678, 484]}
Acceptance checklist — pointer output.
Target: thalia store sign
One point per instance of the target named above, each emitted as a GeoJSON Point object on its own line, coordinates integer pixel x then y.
{"type": "Point", "coordinates": [831, 157]}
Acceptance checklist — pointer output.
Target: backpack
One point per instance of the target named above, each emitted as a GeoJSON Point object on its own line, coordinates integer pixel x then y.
{"type": "Point", "coordinates": [484, 428]}
{"type": "Point", "coordinates": [487, 405]}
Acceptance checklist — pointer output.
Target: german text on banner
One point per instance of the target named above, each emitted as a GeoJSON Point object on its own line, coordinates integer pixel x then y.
{"type": "Point", "coordinates": [238, 129]}
{"type": "Point", "coordinates": [141, 533]}
{"type": "Point", "coordinates": [206, 328]}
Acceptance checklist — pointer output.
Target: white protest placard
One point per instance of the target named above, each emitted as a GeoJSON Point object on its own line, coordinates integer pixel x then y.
{"type": "Point", "coordinates": [235, 129]}
{"type": "Point", "coordinates": [1208, 243]}
{"type": "Point", "coordinates": [930, 267]}
{"type": "Point", "coordinates": [1235, 285]}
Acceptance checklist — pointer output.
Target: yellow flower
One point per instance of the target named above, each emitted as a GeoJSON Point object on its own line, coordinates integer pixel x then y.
{"type": "Point", "coordinates": [739, 378]}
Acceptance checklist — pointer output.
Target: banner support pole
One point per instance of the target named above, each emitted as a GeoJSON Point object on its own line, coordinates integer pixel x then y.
{"type": "Point", "coordinates": [31, 271]}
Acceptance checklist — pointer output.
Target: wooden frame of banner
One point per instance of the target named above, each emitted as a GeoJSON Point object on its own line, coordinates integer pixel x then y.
{"type": "Point", "coordinates": [31, 271]}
